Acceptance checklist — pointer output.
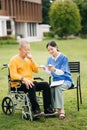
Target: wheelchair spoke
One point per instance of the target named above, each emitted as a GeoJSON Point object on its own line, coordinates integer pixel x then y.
{"type": "Point", "coordinates": [9, 111]}
{"type": "Point", "coordinates": [4, 106]}
{"type": "Point", "coordinates": [6, 102]}
{"type": "Point", "coordinates": [9, 101]}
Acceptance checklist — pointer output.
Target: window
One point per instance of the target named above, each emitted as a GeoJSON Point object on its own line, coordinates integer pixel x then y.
{"type": "Point", "coordinates": [9, 31]}
{"type": "Point", "coordinates": [8, 24]}
{"type": "Point", "coordinates": [31, 27]}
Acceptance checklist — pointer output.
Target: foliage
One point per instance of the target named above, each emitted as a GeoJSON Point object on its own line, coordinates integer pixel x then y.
{"type": "Point", "coordinates": [65, 18]}
{"type": "Point", "coordinates": [78, 1]}
{"type": "Point", "coordinates": [8, 41]}
{"type": "Point", "coordinates": [45, 10]}
{"type": "Point", "coordinates": [83, 12]}
{"type": "Point", "coordinates": [7, 37]}
{"type": "Point", "coordinates": [82, 5]}
{"type": "Point", "coordinates": [49, 34]}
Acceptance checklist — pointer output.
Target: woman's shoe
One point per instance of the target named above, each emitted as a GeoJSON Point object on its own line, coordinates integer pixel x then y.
{"type": "Point", "coordinates": [62, 116]}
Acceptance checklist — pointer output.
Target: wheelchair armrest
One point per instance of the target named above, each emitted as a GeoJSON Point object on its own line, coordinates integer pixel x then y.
{"type": "Point", "coordinates": [38, 78]}
{"type": "Point", "coordinates": [15, 81]}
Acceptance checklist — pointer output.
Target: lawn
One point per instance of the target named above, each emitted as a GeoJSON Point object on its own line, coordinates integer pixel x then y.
{"type": "Point", "coordinates": [76, 51]}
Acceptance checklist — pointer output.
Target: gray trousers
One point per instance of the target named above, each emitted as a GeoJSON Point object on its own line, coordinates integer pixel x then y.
{"type": "Point", "coordinates": [57, 96]}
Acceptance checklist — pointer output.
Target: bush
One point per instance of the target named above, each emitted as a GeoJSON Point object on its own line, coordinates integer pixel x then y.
{"type": "Point", "coordinates": [11, 41]}
{"type": "Point", "coordinates": [83, 36]}
{"type": "Point", "coordinates": [7, 37]}
{"type": "Point", "coordinates": [49, 34]}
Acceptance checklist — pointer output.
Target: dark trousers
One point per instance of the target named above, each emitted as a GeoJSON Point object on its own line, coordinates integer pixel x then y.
{"type": "Point", "coordinates": [38, 86]}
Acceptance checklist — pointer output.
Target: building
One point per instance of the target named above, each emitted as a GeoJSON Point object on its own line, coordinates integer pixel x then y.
{"type": "Point", "coordinates": [21, 18]}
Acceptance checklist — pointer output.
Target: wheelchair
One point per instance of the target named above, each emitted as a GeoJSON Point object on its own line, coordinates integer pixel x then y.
{"type": "Point", "coordinates": [17, 100]}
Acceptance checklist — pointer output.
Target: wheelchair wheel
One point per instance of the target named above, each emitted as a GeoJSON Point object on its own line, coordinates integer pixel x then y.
{"type": "Point", "coordinates": [26, 113]}
{"type": "Point", "coordinates": [27, 117]}
{"type": "Point", "coordinates": [7, 106]}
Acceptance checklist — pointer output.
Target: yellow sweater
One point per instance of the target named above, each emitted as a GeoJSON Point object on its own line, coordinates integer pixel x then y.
{"type": "Point", "coordinates": [22, 68]}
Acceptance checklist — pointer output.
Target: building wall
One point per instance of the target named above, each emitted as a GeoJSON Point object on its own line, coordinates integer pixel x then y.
{"type": "Point", "coordinates": [24, 17]}
{"type": "Point", "coordinates": [2, 28]}
{"type": "Point", "coordinates": [22, 10]}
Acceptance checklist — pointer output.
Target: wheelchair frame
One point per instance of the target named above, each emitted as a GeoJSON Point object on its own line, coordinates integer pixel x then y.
{"type": "Point", "coordinates": [16, 100]}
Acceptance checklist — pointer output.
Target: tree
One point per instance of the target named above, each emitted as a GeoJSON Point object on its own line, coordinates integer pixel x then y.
{"type": "Point", "coordinates": [45, 9]}
{"type": "Point", "coordinates": [78, 1]}
{"type": "Point", "coordinates": [83, 12]}
{"type": "Point", "coordinates": [65, 18]}
{"type": "Point", "coordinates": [82, 5]}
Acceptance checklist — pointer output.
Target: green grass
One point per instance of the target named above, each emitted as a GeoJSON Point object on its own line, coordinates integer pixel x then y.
{"type": "Point", "coordinates": [76, 51]}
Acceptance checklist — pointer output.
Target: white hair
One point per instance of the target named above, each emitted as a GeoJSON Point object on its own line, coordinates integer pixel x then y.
{"type": "Point", "coordinates": [22, 42]}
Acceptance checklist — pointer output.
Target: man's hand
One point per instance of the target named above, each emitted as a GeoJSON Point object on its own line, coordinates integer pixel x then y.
{"type": "Point", "coordinates": [29, 56]}
{"type": "Point", "coordinates": [28, 83]}
{"type": "Point", "coordinates": [42, 66]}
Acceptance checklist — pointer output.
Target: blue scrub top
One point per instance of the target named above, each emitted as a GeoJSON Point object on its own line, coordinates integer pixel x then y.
{"type": "Point", "coordinates": [61, 63]}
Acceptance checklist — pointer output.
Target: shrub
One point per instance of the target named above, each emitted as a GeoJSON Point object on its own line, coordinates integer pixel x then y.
{"type": "Point", "coordinates": [7, 37]}
{"type": "Point", "coordinates": [49, 34]}
{"type": "Point", "coordinates": [11, 41]}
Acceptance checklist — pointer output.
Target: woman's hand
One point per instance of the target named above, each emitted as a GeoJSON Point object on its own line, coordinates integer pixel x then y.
{"type": "Point", "coordinates": [51, 68]}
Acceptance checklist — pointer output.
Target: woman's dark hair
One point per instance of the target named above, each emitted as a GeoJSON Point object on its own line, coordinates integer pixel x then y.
{"type": "Point", "coordinates": [53, 44]}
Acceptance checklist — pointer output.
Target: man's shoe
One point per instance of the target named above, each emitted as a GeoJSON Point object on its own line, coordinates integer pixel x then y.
{"type": "Point", "coordinates": [37, 112]}
{"type": "Point", "coordinates": [49, 112]}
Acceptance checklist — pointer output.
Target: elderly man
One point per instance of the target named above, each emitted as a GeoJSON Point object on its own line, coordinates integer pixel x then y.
{"type": "Point", "coordinates": [22, 67]}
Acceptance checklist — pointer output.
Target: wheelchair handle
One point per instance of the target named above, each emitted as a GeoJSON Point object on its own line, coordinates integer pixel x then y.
{"type": "Point", "coordinates": [4, 66]}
